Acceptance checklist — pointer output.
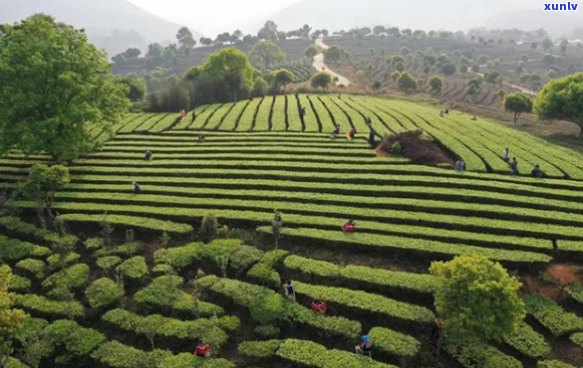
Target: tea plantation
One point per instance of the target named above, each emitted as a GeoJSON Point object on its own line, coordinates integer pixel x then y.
{"type": "Point", "coordinates": [142, 288]}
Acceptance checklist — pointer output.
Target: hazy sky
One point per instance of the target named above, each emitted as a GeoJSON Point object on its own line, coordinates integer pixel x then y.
{"type": "Point", "coordinates": [211, 16]}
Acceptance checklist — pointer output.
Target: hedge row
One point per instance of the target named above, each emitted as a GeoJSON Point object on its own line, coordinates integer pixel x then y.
{"type": "Point", "coordinates": [35, 267]}
{"type": "Point", "coordinates": [117, 355]}
{"type": "Point", "coordinates": [575, 291]}
{"type": "Point", "coordinates": [134, 268]}
{"type": "Point", "coordinates": [552, 316]}
{"type": "Point", "coordinates": [164, 292]}
{"type": "Point", "coordinates": [529, 342]}
{"type": "Point", "coordinates": [18, 226]}
{"type": "Point", "coordinates": [125, 250]}
{"type": "Point", "coordinates": [366, 302]}
{"type": "Point", "coordinates": [130, 221]}
{"type": "Point", "coordinates": [305, 353]}
{"type": "Point", "coordinates": [19, 284]}
{"type": "Point", "coordinates": [417, 245]}
{"type": "Point", "coordinates": [255, 297]}
{"type": "Point", "coordinates": [487, 356]}
{"type": "Point", "coordinates": [394, 342]}
{"type": "Point", "coordinates": [78, 341]}
{"type": "Point", "coordinates": [211, 330]}
{"type": "Point", "coordinates": [41, 304]}
{"type": "Point", "coordinates": [15, 250]}
{"type": "Point", "coordinates": [450, 222]}
{"type": "Point", "coordinates": [382, 277]}
{"type": "Point", "coordinates": [577, 339]}
{"type": "Point", "coordinates": [553, 364]}
{"type": "Point", "coordinates": [103, 292]}
{"type": "Point", "coordinates": [71, 277]}
{"type": "Point", "coordinates": [265, 270]}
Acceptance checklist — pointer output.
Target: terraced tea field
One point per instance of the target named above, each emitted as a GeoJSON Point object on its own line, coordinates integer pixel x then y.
{"type": "Point", "coordinates": [259, 156]}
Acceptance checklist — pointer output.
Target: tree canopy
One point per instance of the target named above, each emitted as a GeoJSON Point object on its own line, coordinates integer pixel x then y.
{"type": "Point", "coordinates": [231, 67]}
{"type": "Point", "coordinates": [321, 80]}
{"type": "Point", "coordinates": [266, 55]}
{"type": "Point", "coordinates": [477, 298]}
{"type": "Point", "coordinates": [11, 320]}
{"type": "Point", "coordinates": [406, 82]}
{"type": "Point", "coordinates": [282, 78]}
{"type": "Point", "coordinates": [185, 40]}
{"type": "Point", "coordinates": [562, 99]}
{"type": "Point", "coordinates": [54, 85]}
{"type": "Point", "coordinates": [436, 84]}
{"type": "Point", "coordinates": [517, 103]}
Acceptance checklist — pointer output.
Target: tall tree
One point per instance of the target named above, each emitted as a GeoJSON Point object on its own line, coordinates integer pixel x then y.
{"type": "Point", "coordinates": [562, 99]}
{"type": "Point", "coordinates": [266, 54]}
{"type": "Point", "coordinates": [231, 67]}
{"type": "Point", "coordinates": [282, 77]}
{"type": "Point", "coordinates": [517, 103]}
{"type": "Point", "coordinates": [53, 85]}
{"type": "Point", "coordinates": [477, 298]}
{"type": "Point", "coordinates": [406, 82]}
{"type": "Point", "coordinates": [185, 40]}
{"type": "Point", "coordinates": [436, 84]}
{"type": "Point", "coordinates": [268, 32]}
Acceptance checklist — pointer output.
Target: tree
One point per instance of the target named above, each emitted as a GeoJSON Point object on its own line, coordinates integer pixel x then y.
{"type": "Point", "coordinates": [321, 80]}
{"type": "Point", "coordinates": [268, 32]}
{"type": "Point", "coordinates": [448, 69]}
{"type": "Point", "coordinates": [547, 44]}
{"type": "Point", "coordinates": [53, 85]}
{"type": "Point", "coordinates": [11, 320]}
{"type": "Point", "coordinates": [517, 103]}
{"type": "Point", "coordinates": [477, 298]}
{"type": "Point", "coordinates": [136, 87]}
{"type": "Point", "coordinates": [282, 78]}
{"type": "Point", "coordinates": [185, 40]}
{"type": "Point", "coordinates": [311, 52]}
{"type": "Point", "coordinates": [436, 84]}
{"type": "Point", "coordinates": [406, 82]}
{"type": "Point", "coordinates": [335, 55]}
{"type": "Point", "coordinates": [41, 185]}
{"type": "Point", "coordinates": [231, 67]}
{"type": "Point", "coordinates": [376, 85]}
{"type": "Point", "coordinates": [562, 99]}
{"type": "Point", "coordinates": [150, 327]}
{"type": "Point", "coordinates": [205, 41]}
{"type": "Point", "coordinates": [266, 54]}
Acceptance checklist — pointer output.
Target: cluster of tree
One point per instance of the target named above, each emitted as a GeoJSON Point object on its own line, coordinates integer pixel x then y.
{"type": "Point", "coordinates": [336, 55]}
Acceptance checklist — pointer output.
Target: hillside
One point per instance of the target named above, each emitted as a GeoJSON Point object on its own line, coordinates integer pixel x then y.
{"type": "Point", "coordinates": [113, 25]}
{"type": "Point", "coordinates": [424, 14]}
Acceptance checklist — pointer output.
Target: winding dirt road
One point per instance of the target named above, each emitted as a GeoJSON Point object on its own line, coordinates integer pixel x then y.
{"type": "Point", "coordinates": [319, 65]}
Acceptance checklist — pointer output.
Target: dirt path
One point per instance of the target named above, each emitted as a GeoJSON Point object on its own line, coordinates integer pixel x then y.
{"type": "Point", "coordinates": [319, 65]}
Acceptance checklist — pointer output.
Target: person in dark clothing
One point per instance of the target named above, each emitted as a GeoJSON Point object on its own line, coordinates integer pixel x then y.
{"type": "Point", "coordinates": [514, 166]}
{"type": "Point", "coordinates": [148, 155]}
{"type": "Point", "coordinates": [277, 217]}
{"type": "Point", "coordinates": [436, 337]}
{"type": "Point", "coordinates": [193, 116]}
{"type": "Point", "coordinates": [368, 121]}
{"type": "Point", "coordinates": [201, 138]}
{"type": "Point", "coordinates": [336, 131]}
{"type": "Point", "coordinates": [302, 112]}
{"type": "Point", "coordinates": [555, 245]}
{"type": "Point", "coordinates": [506, 155]}
{"type": "Point", "coordinates": [371, 139]}
{"type": "Point", "coordinates": [365, 347]}
{"type": "Point", "coordinates": [289, 291]}
{"type": "Point", "coordinates": [137, 188]}
{"type": "Point", "coordinates": [537, 172]}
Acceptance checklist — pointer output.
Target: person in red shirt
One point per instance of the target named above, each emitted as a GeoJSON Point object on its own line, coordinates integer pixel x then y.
{"type": "Point", "coordinates": [202, 350]}
{"type": "Point", "coordinates": [349, 227]}
{"type": "Point", "coordinates": [319, 306]}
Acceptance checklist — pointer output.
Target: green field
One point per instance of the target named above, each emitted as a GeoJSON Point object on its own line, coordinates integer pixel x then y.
{"type": "Point", "coordinates": [258, 157]}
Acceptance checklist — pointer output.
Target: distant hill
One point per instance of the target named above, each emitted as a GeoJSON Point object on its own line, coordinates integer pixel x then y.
{"type": "Point", "coordinates": [113, 25]}
{"type": "Point", "coordinates": [425, 14]}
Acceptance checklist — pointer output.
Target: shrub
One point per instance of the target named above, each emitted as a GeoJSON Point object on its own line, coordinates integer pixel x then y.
{"type": "Point", "coordinates": [15, 250]}
{"type": "Point", "coordinates": [393, 342]}
{"type": "Point", "coordinates": [93, 243]}
{"type": "Point", "coordinates": [488, 356]}
{"type": "Point", "coordinates": [127, 249]}
{"type": "Point", "coordinates": [553, 364]}
{"type": "Point", "coordinates": [552, 316]}
{"type": "Point", "coordinates": [164, 293]}
{"type": "Point", "coordinates": [72, 277]}
{"type": "Point", "coordinates": [77, 340]}
{"type": "Point", "coordinates": [41, 304]}
{"type": "Point", "coordinates": [412, 146]}
{"type": "Point", "coordinates": [243, 257]}
{"type": "Point", "coordinates": [55, 260]}
{"type": "Point", "coordinates": [267, 331]}
{"type": "Point", "coordinates": [529, 342]}
{"type": "Point", "coordinates": [577, 339]}
{"type": "Point", "coordinates": [259, 349]}
{"type": "Point", "coordinates": [103, 292]}
{"type": "Point", "coordinates": [264, 271]}
{"type": "Point", "coordinates": [34, 266]}
{"type": "Point", "coordinates": [19, 283]}
{"type": "Point", "coordinates": [575, 291]}
{"type": "Point", "coordinates": [134, 268]}
{"type": "Point", "coordinates": [107, 263]}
